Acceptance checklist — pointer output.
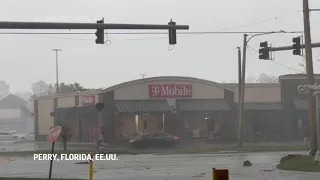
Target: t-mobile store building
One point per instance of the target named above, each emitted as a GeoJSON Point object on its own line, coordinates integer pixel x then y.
{"type": "Point", "coordinates": [188, 107]}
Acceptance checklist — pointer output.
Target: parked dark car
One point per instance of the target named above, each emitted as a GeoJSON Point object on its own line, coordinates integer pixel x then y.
{"type": "Point", "coordinates": [157, 139]}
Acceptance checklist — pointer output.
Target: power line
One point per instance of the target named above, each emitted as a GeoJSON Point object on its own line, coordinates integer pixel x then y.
{"type": "Point", "coordinates": [263, 21]}
{"type": "Point", "coordinates": [40, 34]}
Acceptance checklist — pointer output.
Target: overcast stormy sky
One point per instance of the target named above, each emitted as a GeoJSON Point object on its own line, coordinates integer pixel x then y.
{"type": "Point", "coordinates": [28, 58]}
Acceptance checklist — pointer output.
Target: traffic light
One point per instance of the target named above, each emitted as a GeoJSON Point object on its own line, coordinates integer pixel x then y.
{"type": "Point", "coordinates": [99, 106]}
{"type": "Point", "coordinates": [100, 33]}
{"type": "Point", "coordinates": [297, 46]}
{"type": "Point", "coordinates": [264, 51]}
{"type": "Point", "coordinates": [172, 34]}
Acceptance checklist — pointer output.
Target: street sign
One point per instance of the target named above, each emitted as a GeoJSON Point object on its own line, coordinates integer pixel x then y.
{"type": "Point", "coordinates": [54, 134]}
{"type": "Point", "coordinates": [52, 137]}
{"type": "Point", "coordinates": [303, 89]}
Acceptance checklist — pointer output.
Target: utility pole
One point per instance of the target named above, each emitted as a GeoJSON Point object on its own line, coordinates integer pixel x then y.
{"type": "Point", "coordinates": [239, 73]}
{"type": "Point", "coordinates": [57, 69]}
{"type": "Point", "coordinates": [241, 102]}
{"type": "Point", "coordinates": [304, 89]}
{"type": "Point", "coordinates": [239, 98]}
{"type": "Point", "coordinates": [310, 78]}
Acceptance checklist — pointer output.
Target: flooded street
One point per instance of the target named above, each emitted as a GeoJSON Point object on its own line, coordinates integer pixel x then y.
{"type": "Point", "coordinates": [161, 167]}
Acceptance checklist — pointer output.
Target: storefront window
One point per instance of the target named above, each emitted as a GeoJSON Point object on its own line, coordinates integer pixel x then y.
{"type": "Point", "coordinates": [144, 124]}
{"type": "Point", "coordinates": [160, 124]}
{"type": "Point", "coordinates": [186, 124]}
{"type": "Point", "coordinates": [300, 126]}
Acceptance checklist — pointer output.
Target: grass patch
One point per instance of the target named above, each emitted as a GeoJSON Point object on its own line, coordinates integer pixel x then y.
{"type": "Point", "coordinates": [195, 150]}
{"type": "Point", "coordinates": [244, 149]}
{"type": "Point", "coordinates": [25, 178]}
{"type": "Point", "coordinates": [299, 163]}
{"type": "Point", "coordinates": [191, 150]}
{"type": "Point", "coordinates": [22, 141]}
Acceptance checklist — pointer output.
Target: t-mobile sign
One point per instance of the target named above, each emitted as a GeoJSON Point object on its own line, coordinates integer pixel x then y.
{"type": "Point", "coordinates": [87, 100]}
{"type": "Point", "coordinates": [170, 90]}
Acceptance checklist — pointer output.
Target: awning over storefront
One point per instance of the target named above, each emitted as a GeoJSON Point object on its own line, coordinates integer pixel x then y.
{"type": "Point", "coordinates": [59, 112]}
{"type": "Point", "coordinates": [85, 110]}
{"type": "Point", "coordinates": [263, 106]}
{"type": "Point", "coordinates": [142, 106]}
{"type": "Point", "coordinates": [202, 105]}
{"type": "Point", "coordinates": [77, 111]}
{"type": "Point", "coordinates": [301, 104]}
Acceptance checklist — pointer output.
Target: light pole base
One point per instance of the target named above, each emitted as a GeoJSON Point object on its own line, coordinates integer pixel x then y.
{"type": "Point", "coordinates": [317, 158]}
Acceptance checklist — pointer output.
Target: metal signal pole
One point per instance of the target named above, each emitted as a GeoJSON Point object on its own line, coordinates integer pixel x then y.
{"type": "Point", "coordinates": [242, 83]}
{"type": "Point", "coordinates": [310, 78]}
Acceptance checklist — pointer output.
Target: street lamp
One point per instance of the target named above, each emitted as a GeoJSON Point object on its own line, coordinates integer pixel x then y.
{"type": "Point", "coordinates": [242, 82]}
{"type": "Point", "coordinates": [57, 69]}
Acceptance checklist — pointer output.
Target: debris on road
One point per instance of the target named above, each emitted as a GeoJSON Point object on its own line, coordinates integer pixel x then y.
{"type": "Point", "coordinates": [247, 163]}
{"type": "Point", "coordinates": [267, 170]}
{"type": "Point", "coordinates": [83, 162]}
{"type": "Point", "coordinates": [4, 159]}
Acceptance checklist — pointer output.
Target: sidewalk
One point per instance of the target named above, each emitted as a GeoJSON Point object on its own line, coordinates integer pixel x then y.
{"type": "Point", "coordinates": [248, 144]}
{"type": "Point", "coordinates": [204, 145]}
{"type": "Point", "coordinates": [73, 146]}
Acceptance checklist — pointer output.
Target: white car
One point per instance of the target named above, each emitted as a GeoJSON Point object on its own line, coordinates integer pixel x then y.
{"type": "Point", "coordinates": [29, 136]}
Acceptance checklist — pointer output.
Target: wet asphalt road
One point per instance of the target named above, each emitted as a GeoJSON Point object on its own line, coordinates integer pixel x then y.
{"type": "Point", "coordinates": [10, 146]}
{"type": "Point", "coordinates": [162, 167]}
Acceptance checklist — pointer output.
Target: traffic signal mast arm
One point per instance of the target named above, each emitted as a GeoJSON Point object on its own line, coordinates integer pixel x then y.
{"type": "Point", "coordinates": [100, 26]}
{"type": "Point", "coordinates": [54, 25]}
{"type": "Point", "coordinates": [286, 48]}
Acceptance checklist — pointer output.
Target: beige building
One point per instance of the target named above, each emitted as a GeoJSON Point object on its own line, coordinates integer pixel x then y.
{"type": "Point", "coordinates": [45, 106]}
{"type": "Point", "coordinates": [170, 104]}
{"type": "Point", "coordinates": [256, 92]}
{"type": "Point", "coordinates": [188, 107]}
{"type": "Point", "coordinates": [264, 112]}
{"type": "Point", "coordinates": [144, 105]}
{"type": "Point", "coordinates": [12, 115]}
